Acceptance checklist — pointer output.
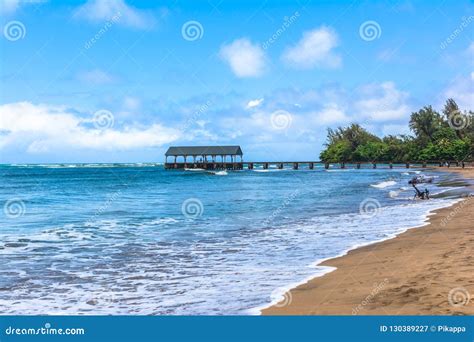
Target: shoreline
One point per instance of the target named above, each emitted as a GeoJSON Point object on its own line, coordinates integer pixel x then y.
{"type": "Point", "coordinates": [392, 282]}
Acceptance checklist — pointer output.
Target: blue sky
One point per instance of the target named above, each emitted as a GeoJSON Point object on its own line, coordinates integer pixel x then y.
{"type": "Point", "coordinates": [120, 81]}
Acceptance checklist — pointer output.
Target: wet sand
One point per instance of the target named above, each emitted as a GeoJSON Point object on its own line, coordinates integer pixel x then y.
{"type": "Point", "coordinates": [424, 271]}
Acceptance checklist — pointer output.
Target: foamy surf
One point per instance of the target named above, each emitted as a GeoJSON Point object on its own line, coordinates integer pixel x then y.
{"type": "Point", "coordinates": [384, 184]}
{"type": "Point", "coordinates": [219, 173]}
{"type": "Point", "coordinates": [420, 220]}
{"type": "Point", "coordinates": [195, 170]}
{"type": "Point", "coordinates": [393, 193]}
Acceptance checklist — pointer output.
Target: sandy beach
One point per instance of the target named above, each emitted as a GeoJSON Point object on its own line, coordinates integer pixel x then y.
{"type": "Point", "coordinates": [424, 271]}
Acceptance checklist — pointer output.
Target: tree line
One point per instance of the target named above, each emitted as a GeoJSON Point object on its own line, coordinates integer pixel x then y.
{"type": "Point", "coordinates": [446, 136]}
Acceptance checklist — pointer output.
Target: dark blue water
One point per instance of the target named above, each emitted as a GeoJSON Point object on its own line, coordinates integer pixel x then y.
{"type": "Point", "coordinates": [137, 239]}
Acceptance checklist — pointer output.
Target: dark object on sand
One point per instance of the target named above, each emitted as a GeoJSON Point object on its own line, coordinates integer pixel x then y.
{"type": "Point", "coordinates": [424, 195]}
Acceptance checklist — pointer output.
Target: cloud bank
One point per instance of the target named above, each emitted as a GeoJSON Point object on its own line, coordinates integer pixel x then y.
{"type": "Point", "coordinates": [45, 128]}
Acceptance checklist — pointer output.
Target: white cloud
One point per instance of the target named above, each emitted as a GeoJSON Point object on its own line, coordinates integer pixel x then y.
{"type": "Point", "coordinates": [104, 10]}
{"type": "Point", "coordinates": [244, 58]}
{"type": "Point", "coordinates": [461, 89]}
{"type": "Point", "coordinates": [43, 128]}
{"type": "Point", "coordinates": [315, 49]}
{"type": "Point", "coordinates": [11, 6]}
{"type": "Point", "coordinates": [254, 103]}
{"type": "Point", "coordinates": [331, 114]}
{"type": "Point", "coordinates": [382, 102]}
{"type": "Point", "coordinates": [96, 76]}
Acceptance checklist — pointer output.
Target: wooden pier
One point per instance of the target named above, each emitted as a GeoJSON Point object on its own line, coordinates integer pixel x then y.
{"type": "Point", "coordinates": [311, 165]}
{"type": "Point", "coordinates": [231, 158]}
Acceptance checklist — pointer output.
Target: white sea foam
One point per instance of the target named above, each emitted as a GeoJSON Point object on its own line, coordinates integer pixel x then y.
{"type": "Point", "coordinates": [384, 184]}
{"type": "Point", "coordinates": [420, 212]}
{"type": "Point", "coordinates": [163, 221]}
{"type": "Point", "coordinates": [219, 173]}
{"type": "Point", "coordinates": [195, 170]}
{"type": "Point", "coordinates": [393, 193]}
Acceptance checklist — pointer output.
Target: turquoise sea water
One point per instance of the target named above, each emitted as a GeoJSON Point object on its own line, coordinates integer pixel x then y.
{"type": "Point", "coordinates": [137, 239]}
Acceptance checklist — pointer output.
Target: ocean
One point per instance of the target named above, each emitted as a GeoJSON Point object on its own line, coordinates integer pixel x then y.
{"type": "Point", "coordinates": [110, 239]}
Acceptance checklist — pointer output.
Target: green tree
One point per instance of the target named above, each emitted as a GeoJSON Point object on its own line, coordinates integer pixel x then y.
{"type": "Point", "coordinates": [371, 151]}
{"type": "Point", "coordinates": [339, 151]}
{"type": "Point", "coordinates": [435, 138]}
{"type": "Point", "coordinates": [425, 123]}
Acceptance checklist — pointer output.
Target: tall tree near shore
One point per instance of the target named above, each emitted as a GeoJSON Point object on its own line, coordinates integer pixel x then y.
{"type": "Point", "coordinates": [425, 123]}
{"type": "Point", "coordinates": [450, 111]}
{"type": "Point", "coordinates": [450, 107]}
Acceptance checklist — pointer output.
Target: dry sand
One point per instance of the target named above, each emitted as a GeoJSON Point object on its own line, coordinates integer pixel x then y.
{"type": "Point", "coordinates": [424, 271]}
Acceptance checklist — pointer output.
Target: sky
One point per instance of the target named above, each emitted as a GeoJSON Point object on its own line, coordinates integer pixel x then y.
{"type": "Point", "coordinates": [122, 80]}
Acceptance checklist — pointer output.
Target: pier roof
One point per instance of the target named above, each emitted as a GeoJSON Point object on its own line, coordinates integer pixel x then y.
{"type": "Point", "coordinates": [203, 150]}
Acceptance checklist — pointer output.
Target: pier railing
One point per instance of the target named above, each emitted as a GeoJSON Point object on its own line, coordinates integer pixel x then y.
{"type": "Point", "coordinates": [312, 164]}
